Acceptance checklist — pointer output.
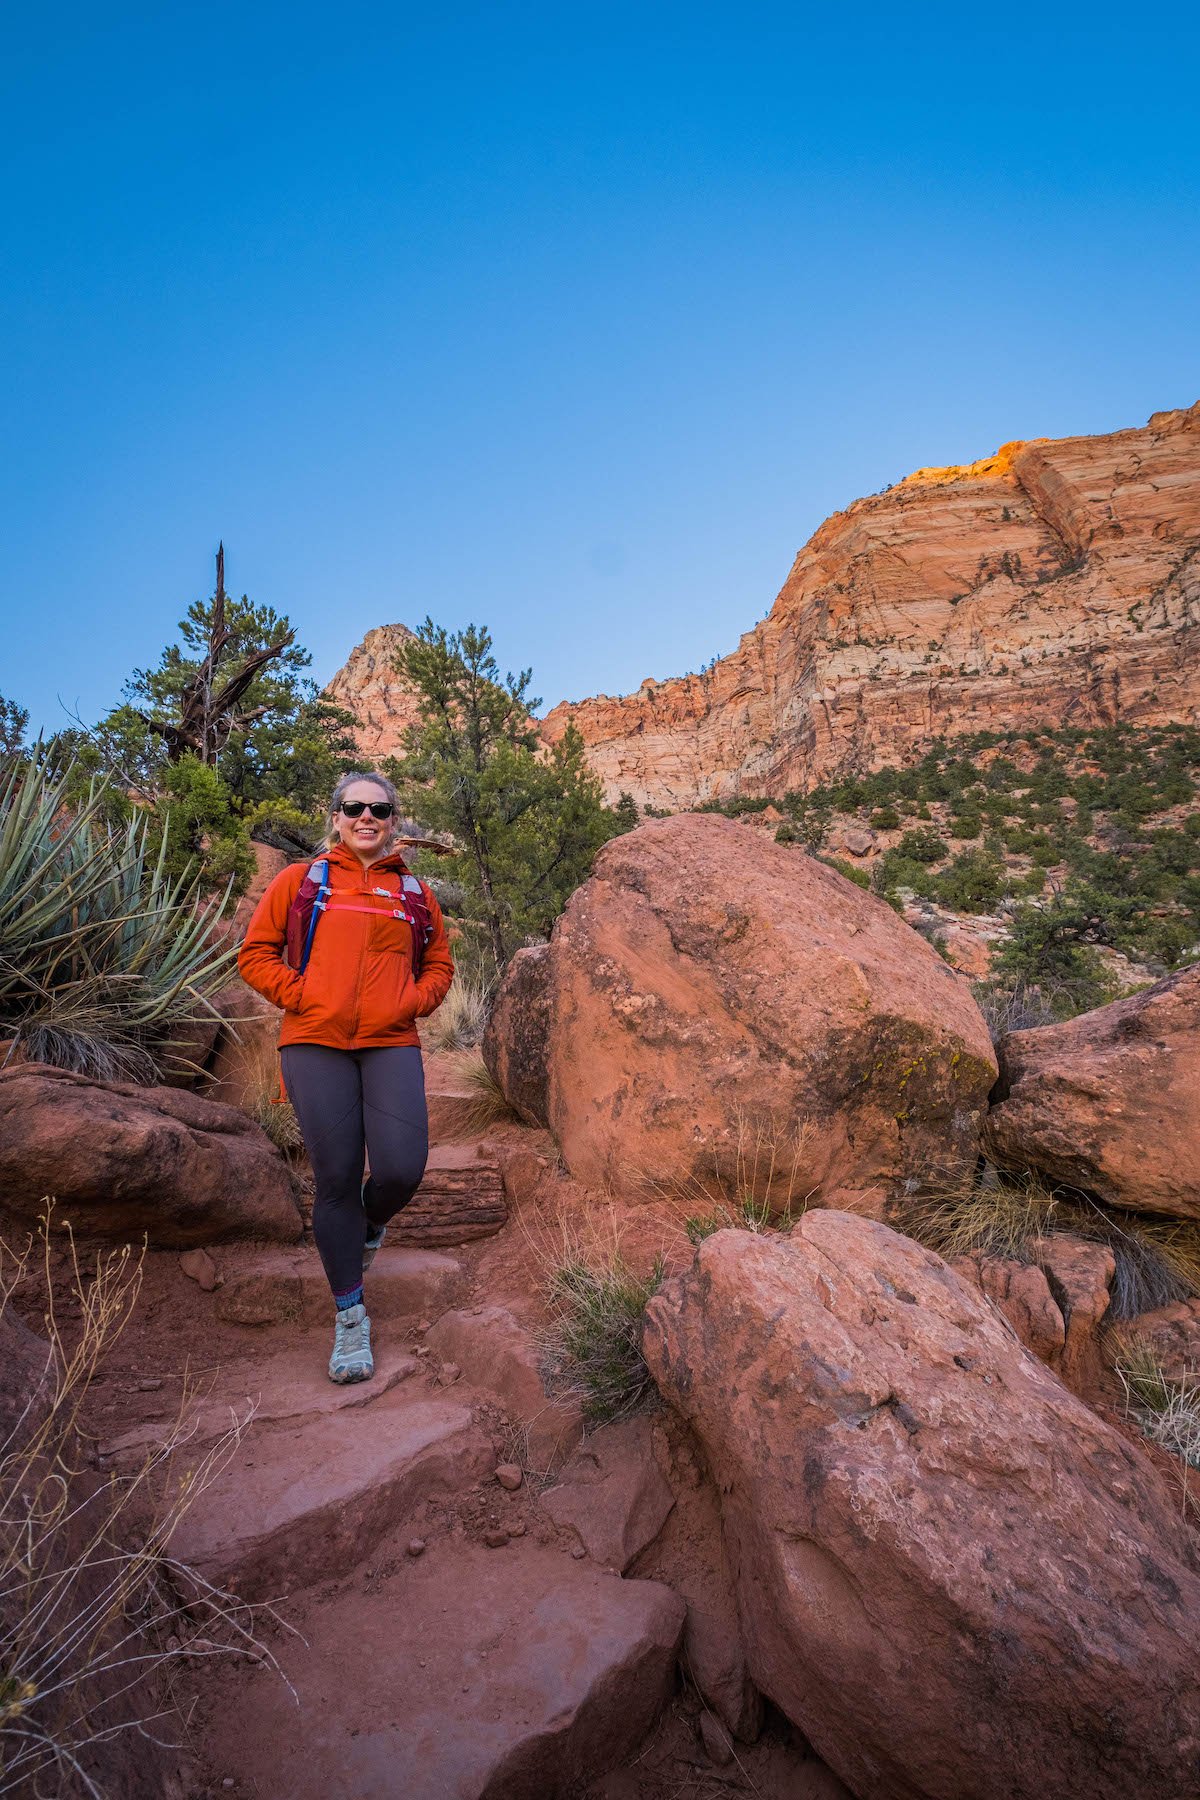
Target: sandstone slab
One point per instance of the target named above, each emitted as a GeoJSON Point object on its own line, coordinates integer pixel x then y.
{"type": "Point", "coordinates": [725, 1010]}
{"type": "Point", "coordinates": [1022, 1293]}
{"type": "Point", "coordinates": [518, 1675]}
{"type": "Point", "coordinates": [1109, 1101]}
{"type": "Point", "coordinates": [304, 1499]}
{"type": "Point", "coordinates": [954, 1577]}
{"type": "Point", "coordinates": [124, 1160]}
{"type": "Point", "coordinates": [277, 1287]}
{"type": "Point", "coordinates": [613, 1494]}
{"type": "Point", "coordinates": [497, 1353]}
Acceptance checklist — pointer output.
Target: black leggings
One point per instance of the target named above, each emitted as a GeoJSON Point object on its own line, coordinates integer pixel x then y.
{"type": "Point", "coordinates": [348, 1100]}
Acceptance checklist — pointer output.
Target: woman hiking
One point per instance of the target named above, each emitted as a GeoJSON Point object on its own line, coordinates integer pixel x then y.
{"type": "Point", "coordinates": [366, 957]}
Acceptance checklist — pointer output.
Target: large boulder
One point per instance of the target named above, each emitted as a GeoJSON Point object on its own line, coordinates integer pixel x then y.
{"type": "Point", "coordinates": [723, 1011]}
{"type": "Point", "coordinates": [515, 1040]}
{"type": "Point", "coordinates": [123, 1160]}
{"type": "Point", "coordinates": [954, 1577]}
{"type": "Point", "coordinates": [1109, 1101]}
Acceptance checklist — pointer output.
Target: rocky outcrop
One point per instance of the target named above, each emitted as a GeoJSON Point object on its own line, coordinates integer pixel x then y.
{"type": "Point", "coordinates": [724, 1012]}
{"type": "Point", "coordinates": [495, 1352]}
{"type": "Point", "coordinates": [1109, 1101]}
{"type": "Point", "coordinates": [517, 1032]}
{"type": "Point", "coordinates": [1172, 1334]}
{"type": "Point", "coordinates": [1053, 583]}
{"type": "Point", "coordinates": [954, 1577]}
{"type": "Point", "coordinates": [369, 686]}
{"type": "Point", "coordinates": [123, 1160]}
{"type": "Point", "coordinates": [1021, 1292]}
{"type": "Point", "coordinates": [612, 1493]}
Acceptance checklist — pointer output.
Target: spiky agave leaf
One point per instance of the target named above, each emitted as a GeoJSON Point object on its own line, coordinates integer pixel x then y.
{"type": "Point", "coordinates": [104, 960]}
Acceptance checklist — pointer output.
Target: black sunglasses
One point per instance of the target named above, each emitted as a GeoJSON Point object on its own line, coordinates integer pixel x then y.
{"type": "Point", "coordinates": [378, 809]}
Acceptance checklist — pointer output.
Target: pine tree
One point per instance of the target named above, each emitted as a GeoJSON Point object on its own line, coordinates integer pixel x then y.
{"type": "Point", "coordinates": [526, 823]}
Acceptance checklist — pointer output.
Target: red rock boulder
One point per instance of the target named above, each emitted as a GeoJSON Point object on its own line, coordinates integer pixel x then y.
{"type": "Point", "coordinates": [123, 1160]}
{"type": "Point", "coordinates": [1110, 1101]}
{"type": "Point", "coordinates": [716, 1000]}
{"type": "Point", "coordinates": [953, 1576]}
{"type": "Point", "coordinates": [515, 1041]}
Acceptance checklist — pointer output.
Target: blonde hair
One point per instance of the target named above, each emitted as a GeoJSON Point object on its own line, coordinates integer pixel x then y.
{"type": "Point", "coordinates": [340, 792]}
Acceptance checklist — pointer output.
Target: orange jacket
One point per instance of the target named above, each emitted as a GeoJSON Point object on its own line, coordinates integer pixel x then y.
{"type": "Point", "coordinates": [357, 992]}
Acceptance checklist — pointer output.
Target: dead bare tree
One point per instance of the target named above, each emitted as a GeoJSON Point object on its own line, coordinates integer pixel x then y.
{"type": "Point", "coordinates": [208, 705]}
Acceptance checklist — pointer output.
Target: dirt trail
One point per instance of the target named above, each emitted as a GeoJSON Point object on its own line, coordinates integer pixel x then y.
{"type": "Point", "coordinates": [442, 1637]}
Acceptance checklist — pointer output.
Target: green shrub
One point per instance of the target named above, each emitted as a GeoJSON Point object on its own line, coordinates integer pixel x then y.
{"type": "Point", "coordinates": [859, 877]}
{"type": "Point", "coordinates": [886, 818]}
{"type": "Point", "coordinates": [973, 882]}
{"type": "Point", "coordinates": [923, 845]}
{"type": "Point", "coordinates": [894, 871]}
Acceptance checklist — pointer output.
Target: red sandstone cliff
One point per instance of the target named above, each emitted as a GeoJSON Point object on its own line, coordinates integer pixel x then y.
{"type": "Point", "coordinates": [1057, 582]}
{"type": "Point", "coordinates": [368, 686]}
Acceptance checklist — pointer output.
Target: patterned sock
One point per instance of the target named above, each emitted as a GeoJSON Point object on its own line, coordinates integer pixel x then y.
{"type": "Point", "coordinates": [352, 1297]}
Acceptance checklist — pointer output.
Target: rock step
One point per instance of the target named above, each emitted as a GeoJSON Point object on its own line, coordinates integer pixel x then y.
{"type": "Point", "coordinates": [454, 1205]}
{"type": "Point", "coordinates": [267, 1390]}
{"type": "Point", "coordinates": [305, 1500]}
{"type": "Point", "coordinates": [275, 1287]}
{"type": "Point", "coordinates": [512, 1674]}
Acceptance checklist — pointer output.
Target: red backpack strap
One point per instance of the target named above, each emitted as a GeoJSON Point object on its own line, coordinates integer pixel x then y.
{"type": "Point", "coordinates": [415, 899]}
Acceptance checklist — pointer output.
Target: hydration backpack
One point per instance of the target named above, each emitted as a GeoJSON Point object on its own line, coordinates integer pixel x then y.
{"type": "Point", "coordinates": [313, 898]}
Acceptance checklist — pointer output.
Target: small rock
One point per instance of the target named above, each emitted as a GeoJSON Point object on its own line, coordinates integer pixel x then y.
{"type": "Point", "coordinates": [422, 1349]}
{"type": "Point", "coordinates": [228, 1782]}
{"type": "Point", "coordinates": [517, 1530]}
{"type": "Point", "coordinates": [715, 1739]}
{"type": "Point", "coordinates": [416, 1546]}
{"type": "Point", "coordinates": [199, 1267]}
{"type": "Point", "coordinates": [423, 1325]}
{"type": "Point", "coordinates": [579, 1553]}
{"type": "Point", "coordinates": [448, 1374]}
{"type": "Point", "coordinates": [509, 1476]}
{"type": "Point", "coordinates": [150, 1386]}
{"type": "Point", "coordinates": [495, 1539]}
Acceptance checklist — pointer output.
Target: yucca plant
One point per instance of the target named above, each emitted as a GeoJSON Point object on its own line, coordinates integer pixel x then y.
{"type": "Point", "coordinates": [104, 959]}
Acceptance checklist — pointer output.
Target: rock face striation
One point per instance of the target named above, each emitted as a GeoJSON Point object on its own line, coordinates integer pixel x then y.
{"type": "Point", "coordinates": [959, 1582]}
{"type": "Point", "coordinates": [723, 1012]}
{"type": "Point", "coordinates": [368, 686]}
{"type": "Point", "coordinates": [1057, 582]}
{"type": "Point", "coordinates": [1110, 1101]}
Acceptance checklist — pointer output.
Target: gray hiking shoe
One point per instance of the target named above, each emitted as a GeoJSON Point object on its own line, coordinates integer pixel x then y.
{"type": "Point", "coordinates": [374, 1242]}
{"type": "Point", "coordinates": [352, 1359]}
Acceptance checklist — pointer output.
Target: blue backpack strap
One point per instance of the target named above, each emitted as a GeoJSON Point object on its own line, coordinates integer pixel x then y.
{"type": "Point", "coordinates": [318, 872]}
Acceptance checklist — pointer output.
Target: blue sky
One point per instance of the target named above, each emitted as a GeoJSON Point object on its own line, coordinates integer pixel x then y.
{"type": "Point", "coordinates": [573, 320]}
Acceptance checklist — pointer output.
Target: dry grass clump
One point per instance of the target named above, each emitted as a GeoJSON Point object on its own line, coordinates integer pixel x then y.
{"type": "Point", "coordinates": [596, 1296]}
{"type": "Point", "coordinates": [262, 1095]}
{"type": "Point", "coordinates": [459, 1022]}
{"type": "Point", "coordinates": [593, 1346]}
{"type": "Point", "coordinates": [487, 1105]}
{"type": "Point", "coordinates": [95, 1613]}
{"type": "Point", "coordinates": [1167, 1407]}
{"type": "Point", "coordinates": [996, 1214]}
{"type": "Point", "coordinates": [753, 1181]}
